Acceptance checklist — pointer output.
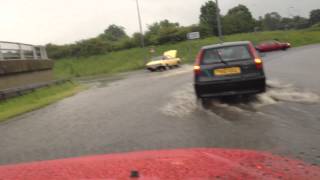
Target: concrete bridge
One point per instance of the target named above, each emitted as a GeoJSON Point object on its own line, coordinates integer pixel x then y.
{"type": "Point", "coordinates": [23, 65]}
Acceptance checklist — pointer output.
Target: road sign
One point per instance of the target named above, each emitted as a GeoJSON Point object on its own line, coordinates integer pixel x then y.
{"type": "Point", "coordinates": [193, 35]}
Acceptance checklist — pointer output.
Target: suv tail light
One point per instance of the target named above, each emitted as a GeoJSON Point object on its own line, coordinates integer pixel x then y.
{"type": "Point", "coordinates": [259, 63]}
{"type": "Point", "coordinates": [257, 60]}
{"type": "Point", "coordinates": [196, 67]}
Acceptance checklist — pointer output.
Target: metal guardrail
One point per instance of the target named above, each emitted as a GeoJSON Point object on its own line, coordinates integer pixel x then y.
{"type": "Point", "coordinates": [19, 58]}
{"type": "Point", "coordinates": [20, 51]}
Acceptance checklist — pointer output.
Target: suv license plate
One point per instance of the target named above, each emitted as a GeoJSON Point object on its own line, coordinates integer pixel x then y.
{"type": "Point", "coordinates": [227, 71]}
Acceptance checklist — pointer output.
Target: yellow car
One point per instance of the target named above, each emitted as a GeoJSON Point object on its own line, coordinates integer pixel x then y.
{"type": "Point", "coordinates": [161, 63]}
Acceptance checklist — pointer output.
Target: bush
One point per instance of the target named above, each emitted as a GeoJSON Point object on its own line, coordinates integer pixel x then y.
{"type": "Point", "coordinates": [315, 27]}
{"type": "Point", "coordinates": [125, 43]}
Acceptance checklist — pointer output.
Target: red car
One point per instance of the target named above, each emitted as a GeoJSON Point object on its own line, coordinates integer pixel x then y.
{"type": "Point", "coordinates": [199, 163]}
{"type": "Point", "coordinates": [272, 46]}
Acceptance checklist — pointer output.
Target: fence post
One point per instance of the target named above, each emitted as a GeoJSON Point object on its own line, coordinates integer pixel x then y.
{"type": "Point", "coordinates": [21, 52]}
{"type": "Point", "coordinates": [43, 53]}
{"type": "Point", "coordinates": [1, 56]}
{"type": "Point", "coordinates": [34, 53]}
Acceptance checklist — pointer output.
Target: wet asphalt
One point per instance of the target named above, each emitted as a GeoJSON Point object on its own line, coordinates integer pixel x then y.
{"type": "Point", "coordinates": [147, 111]}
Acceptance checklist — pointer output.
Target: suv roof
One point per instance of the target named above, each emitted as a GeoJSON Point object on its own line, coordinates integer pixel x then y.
{"type": "Point", "coordinates": [237, 43]}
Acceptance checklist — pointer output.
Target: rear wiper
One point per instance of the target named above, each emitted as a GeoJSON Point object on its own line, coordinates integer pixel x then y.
{"type": "Point", "coordinates": [221, 59]}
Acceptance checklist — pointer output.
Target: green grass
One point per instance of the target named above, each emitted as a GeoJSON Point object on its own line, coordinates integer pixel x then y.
{"type": "Point", "coordinates": [132, 59]}
{"type": "Point", "coordinates": [36, 99]}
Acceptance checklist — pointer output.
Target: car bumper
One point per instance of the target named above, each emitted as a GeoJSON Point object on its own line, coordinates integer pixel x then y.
{"type": "Point", "coordinates": [230, 87]}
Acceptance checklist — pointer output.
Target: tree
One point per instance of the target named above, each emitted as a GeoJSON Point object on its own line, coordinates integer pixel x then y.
{"type": "Point", "coordinates": [161, 32]}
{"type": "Point", "coordinates": [314, 16]}
{"type": "Point", "coordinates": [124, 43]}
{"type": "Point", "coordinates": [56, 51]}
{"type": "Point", "coordinates": [258, 24]}
{"type": "Point", "coordinates": [156, 27]}
{"type": "Point", "coordinates": [272, 21]}
{"type": "Point", "coordinates": [287, 23]}
{"type": "Point", "coordinates": [114, 33]}
{"type": "Point", "coordinates": [90, 47]}
{"type": "Point", "coordinates": [300, 22]}
{"type": "Point", "coordinates": [136, 39]}
{"type": "Point", "coordinates": [297, 22]}
{"type": "Point", "coordinates": [208, 18]}
{"type": "Point", "coordinates": [238, 19]}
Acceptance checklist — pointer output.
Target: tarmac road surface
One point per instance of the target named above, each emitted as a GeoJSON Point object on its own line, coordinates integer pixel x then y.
{"type": "Point", "coordinates": [146, 111]}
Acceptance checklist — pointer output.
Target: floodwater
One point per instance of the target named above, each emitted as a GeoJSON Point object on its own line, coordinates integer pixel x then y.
{"type": "Point", "coordinates": [184, 102]}
{"type": "Point", "coordinates": [146, 111]}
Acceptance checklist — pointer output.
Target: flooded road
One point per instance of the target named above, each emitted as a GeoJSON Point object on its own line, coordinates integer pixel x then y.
{"type": "Point", "coordinates": [143, 111]}
{"type": "Point", "coordinates": [283, 118]}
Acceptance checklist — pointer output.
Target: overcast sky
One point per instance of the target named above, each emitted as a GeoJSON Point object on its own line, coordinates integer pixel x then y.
{"type": "Point", "coordinates": [67, 21]}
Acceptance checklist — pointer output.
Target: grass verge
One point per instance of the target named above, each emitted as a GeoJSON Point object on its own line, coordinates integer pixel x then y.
{"type": "Point", "coordinates": [132, 59]}
{"type": "Point", "coordinates": [37, 99]}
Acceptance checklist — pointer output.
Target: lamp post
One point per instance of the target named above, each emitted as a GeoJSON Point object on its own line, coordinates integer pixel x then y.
{"type": "Point", "coordinates": [140, 24]}
{"type": "Point", "coordinates": [219, 22]}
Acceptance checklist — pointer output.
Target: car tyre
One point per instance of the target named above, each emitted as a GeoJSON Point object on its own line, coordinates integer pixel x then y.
{"type": "Point", "coordinates": [247, 98]}
{"type": "Point", "coordinates": [162, 68]}
{"type": "Point", "coordinates": [205, 103]}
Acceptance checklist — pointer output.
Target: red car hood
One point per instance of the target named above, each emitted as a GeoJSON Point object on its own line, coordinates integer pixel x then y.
{"type": "Point", "coordinates": [168, 164]}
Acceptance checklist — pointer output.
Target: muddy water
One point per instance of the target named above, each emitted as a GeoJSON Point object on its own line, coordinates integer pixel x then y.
{"type": "Point", "coordinates": [284, 120]}
{"type": "Point", "coordinates": [287, 92]}
{"type": "Point", "coordinates": [147, 111]}
{"type": "Point", "coordinates": [183, 102]}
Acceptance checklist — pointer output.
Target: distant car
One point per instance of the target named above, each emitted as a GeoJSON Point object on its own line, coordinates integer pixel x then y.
{"type": "Point", "coordinates": [272, 45]}
{"type": "Point", "coordinates": [161, 63]}
{"type": "Point", "coordinates": [228, 69]}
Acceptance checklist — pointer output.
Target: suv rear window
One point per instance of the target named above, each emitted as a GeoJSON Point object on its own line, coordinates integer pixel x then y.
{"type": "Point", "coordinates": [228, 53]}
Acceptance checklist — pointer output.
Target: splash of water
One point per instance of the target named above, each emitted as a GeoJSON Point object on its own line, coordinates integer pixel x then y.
{"type": "Point", "coordinates": [184, 101]}
{"type": "Point", "coordinates": [280, 92]}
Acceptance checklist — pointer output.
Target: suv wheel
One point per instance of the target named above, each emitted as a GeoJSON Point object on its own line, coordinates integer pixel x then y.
{"type": "Point", "coordinates": [205, 103]}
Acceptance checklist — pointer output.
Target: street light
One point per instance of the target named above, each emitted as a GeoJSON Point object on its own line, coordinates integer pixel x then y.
{"type": "Point", "coordinates": [140, 25]}
{"type": "Point", "coordinates": [219, 22]}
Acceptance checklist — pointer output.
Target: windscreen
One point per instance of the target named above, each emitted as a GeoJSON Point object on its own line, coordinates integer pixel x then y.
{"type": "Point", "coordinates": [230, 53]}
{"type": "Point", "coordinates": [158, 58]}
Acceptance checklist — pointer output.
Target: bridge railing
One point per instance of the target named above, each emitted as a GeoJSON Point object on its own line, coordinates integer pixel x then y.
{"type": "Point", "coordinates": [20, 51]}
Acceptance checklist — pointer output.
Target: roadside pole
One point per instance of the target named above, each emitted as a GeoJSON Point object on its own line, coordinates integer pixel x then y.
{"type": "Point", "coordinates": [141, 30]}
{"type": "Point", "coordinates": [219, 22]}
{"type": "Point", "coordinates": [1, 56]}
{"type": "Point", "coordinates": [140, 24]}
